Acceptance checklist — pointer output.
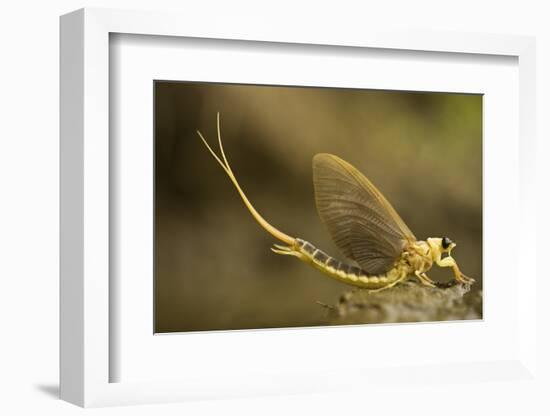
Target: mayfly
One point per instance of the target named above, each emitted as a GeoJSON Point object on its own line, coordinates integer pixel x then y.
{"type": "Point", "coordinates": [364, 226]}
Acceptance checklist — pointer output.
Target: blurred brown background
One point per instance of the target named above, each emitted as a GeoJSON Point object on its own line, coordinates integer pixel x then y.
{"type": "Point", "coordinates": [214, 269]}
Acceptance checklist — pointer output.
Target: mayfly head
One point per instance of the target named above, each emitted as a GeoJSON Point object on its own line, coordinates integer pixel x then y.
{"type": "Point", "coordinates": [447, 244]}
{"type": "Point", "coordinates": [440, 246]}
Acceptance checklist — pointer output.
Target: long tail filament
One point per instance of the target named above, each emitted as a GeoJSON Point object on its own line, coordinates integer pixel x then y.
{"type": "Point", "coordinates": [227, 168]}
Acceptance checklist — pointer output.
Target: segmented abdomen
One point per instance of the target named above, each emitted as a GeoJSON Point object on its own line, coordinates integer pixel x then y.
{"type": "Point", "coordinates": [345, 272]}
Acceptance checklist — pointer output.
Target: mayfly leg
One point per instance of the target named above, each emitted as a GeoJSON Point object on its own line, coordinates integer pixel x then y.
{"type": "Point", "coordinates": [424, 279]}
{"type": "Point", "coordinates": [388, 286]}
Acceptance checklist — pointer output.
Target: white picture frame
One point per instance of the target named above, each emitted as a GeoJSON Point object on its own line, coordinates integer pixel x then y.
{"type": "Point", "coordinates": [86, 303]}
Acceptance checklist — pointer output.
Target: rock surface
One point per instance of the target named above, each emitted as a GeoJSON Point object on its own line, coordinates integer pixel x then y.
{"type": "Point", "coordinates": [407, 302]}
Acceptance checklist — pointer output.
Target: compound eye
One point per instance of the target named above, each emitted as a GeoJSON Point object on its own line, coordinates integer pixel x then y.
{"type": "Point", "coordinates": [446, 242]}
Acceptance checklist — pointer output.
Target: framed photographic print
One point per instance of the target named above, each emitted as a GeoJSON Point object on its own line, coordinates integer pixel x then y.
{"type": "Point", "coordinates": [213, 269]}
{"type": "Point", "coordinates": [236, 208]}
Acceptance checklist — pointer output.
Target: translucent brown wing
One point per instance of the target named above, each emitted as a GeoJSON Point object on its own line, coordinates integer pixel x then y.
{"type": "Point", "coordinates": [360, 220]}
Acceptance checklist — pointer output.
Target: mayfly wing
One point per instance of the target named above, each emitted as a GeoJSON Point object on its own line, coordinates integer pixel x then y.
{"type": "Point", "coordinates": [362, 223]}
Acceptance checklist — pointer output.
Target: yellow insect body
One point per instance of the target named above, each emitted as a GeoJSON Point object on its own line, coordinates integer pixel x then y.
{"type": "Point", "coordinates": [343, 272]}
{"type": "Point", "coordinates": [363, 225]}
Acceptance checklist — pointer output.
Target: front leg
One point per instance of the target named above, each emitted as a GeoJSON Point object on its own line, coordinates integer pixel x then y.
{"type": "Point", "coordinates": [459, 276]}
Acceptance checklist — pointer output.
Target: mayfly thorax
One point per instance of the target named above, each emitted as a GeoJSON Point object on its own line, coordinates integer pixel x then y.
{"type": "Point", "coordinates": [363, 225]}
